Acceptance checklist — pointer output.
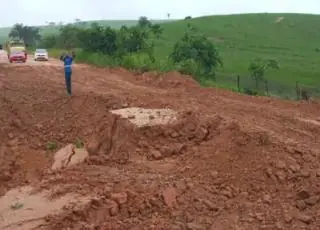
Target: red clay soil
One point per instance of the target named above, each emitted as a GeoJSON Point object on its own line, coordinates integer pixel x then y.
{"type": "Point", "coordinates": [230, 161]}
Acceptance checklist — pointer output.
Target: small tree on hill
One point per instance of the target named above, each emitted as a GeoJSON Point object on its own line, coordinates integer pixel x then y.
{"type": "Point", "coordinates": [144, 22]}
{"type": "Point", "coordinates": [258, 68]}
{"type": "Point", "coordinates": [157, 30]}
{"type": "Point", "coordinates": [194, 49]}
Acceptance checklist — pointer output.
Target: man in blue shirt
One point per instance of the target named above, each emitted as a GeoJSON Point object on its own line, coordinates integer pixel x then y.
{"type": "Point", "coordinates": [68, 60]}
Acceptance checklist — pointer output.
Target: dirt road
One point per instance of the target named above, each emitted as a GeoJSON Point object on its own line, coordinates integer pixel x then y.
{"type": "Point", "coordinates": [196, 159]}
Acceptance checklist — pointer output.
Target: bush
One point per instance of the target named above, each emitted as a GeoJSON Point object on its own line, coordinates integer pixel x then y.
{"type": "Point", "coordinates": [196, 50]}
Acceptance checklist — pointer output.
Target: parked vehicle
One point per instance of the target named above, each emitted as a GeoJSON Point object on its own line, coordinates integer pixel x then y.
{"type": "Point", "coordinates": [41, 55]}
{"type": "Point", "coordinates": [15, 46]}
{"type": "Point", "coordinates": [17, 55]}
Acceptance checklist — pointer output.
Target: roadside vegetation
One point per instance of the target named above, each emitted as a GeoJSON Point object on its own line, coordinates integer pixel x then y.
{"type": "Point", "coordinates": [257, 54]}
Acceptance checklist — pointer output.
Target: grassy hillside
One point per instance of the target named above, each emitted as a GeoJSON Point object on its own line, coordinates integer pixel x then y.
{"type": "Point", "coordinates": [293, 41]}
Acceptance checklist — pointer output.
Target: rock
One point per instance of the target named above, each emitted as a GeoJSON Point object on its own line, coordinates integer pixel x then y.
{"type": "Point", "coordinates": [281, 176]}
{"type": "Point", "coordinates": [303, 217]}
{"type": "Point", "coordinates": [312, 200]}
{"type": "Point", "coordinates": [156, 154]}
{"type": "Point", "coordinates": [214, 174]}
{"type": "Point", "coordinates": [10, 135]}
{"type": "Point", "coordinates": [280, 164]}
{"type": "Point", "coordinates": [174, 134]}
{"type": "Point", "coordinates": [5, 176]}
{"type": "Point", "coordinates": [93, 146]}
{"type": "Point", "coordinates": [194, 226]}
{"type": "Point", "coordinates": [318, 173]}
{"type": "Point", "coordinates": [303, 194]}
{"type": "Point", "coordinates": [279, 226]}
{"type": "Point", "coordinates": [79, 156]}
{"type": "Point", "coordinates": [287, 218]}
{"type": "Point", "coordinates": [62, 157]}
{"type": "Point", "coordinates": [131, 116]}
{"type": "Point", "coordinates": [267, 199]}
{"type": "Point", "coordinates": [120, 198]}
{"type": "Point", "coordinates": [300, 204]}
{"type": "Point", "coordinates": [295, 168]}
{"type": "Point", "coordinates": [305, 173]}
{"type": "Point", "coordinates": [169, 196]}
{"type": "Point", "coordinates": [211, 206]}
{"type": "Point", "coordinates": [113, 207]}
{"type": "Point", "coordinates": [227, 193]}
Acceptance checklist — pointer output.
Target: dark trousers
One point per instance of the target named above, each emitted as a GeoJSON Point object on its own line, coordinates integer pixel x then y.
{"type": "Point", "coordinates": [68, 81]}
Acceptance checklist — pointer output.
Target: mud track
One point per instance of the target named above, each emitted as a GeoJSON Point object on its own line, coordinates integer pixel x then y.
{"type": "Point", "coordinates": [220, 161]}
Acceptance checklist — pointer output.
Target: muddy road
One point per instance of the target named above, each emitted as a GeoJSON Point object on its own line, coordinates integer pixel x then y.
{"type": "Point", "coordinates": [151, 151]}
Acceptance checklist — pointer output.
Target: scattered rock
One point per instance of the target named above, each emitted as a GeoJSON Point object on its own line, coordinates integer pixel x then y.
{"type": "Point", "coordinates": [305, 173]}
{"type": "Point", "coordinates": [227, 193]}
{"type": "Point", "coordinates": [300, 204]}
{"type": "Point", "coordinates": [10, 135]}
{"type": "Point", "coordinates": [303, 194]}
{"type": "Point", "coordinates": [169, 196]}
{"type": "Point", "coordinates": [312, 200]}
{"type": "Point", "coordinates": [303, 217]}
{"type": "Point", "coordinates": [214, 174]}
{"type": "Point", "coordinates": [210, 205]}
{"type": "Point", "coordinates": [267, 199]}
{"type": "Point", "coordinates": [280, 164]}
{"type": "Point", "coordinates": [156, 154]}
{"type": "Point", "coordinates": [5, 176]}
{"type": "Point", "coordinates": [279, 226]}
{"type": "Point", "coordinates": [295, 167]}
{"type": "Point", "coordinates": [287, 218]}
{"type": "Point", "coordinates": [194, 226]}
{"type": "Point", "coordinates": [281, 176]}
{"type": "Point", "coordinates": [120, 198]}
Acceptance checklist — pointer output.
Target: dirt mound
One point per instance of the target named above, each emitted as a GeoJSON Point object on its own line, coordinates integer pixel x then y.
{"type": "Point", "coordinates": [221, 160]}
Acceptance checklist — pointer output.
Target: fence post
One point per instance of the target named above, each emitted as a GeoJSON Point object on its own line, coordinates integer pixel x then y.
{"type": "Point", "coordinates": [298, 90]}
{"type": "Point", "coordinates": [238, 83]}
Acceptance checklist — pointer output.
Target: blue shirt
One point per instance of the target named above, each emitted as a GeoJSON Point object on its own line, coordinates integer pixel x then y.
{"type": "Point", "coordinates": [67, 60]}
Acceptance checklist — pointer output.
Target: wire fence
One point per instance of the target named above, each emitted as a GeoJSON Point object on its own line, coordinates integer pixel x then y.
{"type": "Point", "coordinates": [247, 85]}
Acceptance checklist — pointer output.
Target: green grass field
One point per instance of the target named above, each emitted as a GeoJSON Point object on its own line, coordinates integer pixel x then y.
{"type": "Point", "coordinates": [291, 39]}
{"type": "Point", "coordinates": [294, 42]}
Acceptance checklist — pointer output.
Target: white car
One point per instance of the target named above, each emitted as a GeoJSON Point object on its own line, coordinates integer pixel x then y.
{"type": "Point", "coordinates": [41, 55]}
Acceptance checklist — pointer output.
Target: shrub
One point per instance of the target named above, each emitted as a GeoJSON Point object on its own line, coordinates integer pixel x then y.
{"type": "Point", "coordinates": [196, 47]}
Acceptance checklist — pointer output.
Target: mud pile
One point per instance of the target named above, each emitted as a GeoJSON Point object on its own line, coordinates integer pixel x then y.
{"type": "Point", "coordinates": [161, 155]}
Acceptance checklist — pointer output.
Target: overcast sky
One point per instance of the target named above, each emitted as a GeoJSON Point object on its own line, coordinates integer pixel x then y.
{"type": "Point", "coordinates": [37, 12]}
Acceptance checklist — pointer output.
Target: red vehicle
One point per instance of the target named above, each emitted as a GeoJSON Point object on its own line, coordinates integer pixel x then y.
{"type": "Point", "coordinates": [18, 56]}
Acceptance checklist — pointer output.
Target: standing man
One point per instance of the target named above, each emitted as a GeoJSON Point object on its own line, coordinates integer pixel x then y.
{"type": "Point", "coordinates": [68, 60]}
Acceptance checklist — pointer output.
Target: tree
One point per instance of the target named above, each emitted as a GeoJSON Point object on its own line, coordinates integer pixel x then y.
{"type": "Point", "coordinates": [98, 39]}
{"type": "Point", "coordinates": [258, 67]}
{"type": "Point", "coordinates": [68, 37]}
{"type": "Point", "coordinates": [194, 49]}
{"type": "Point", "coordinates": [157, 30]}
{"type": "Point", "coordinates": [29, 34]}
{"type": "Point", "coordinates": [144, 22]}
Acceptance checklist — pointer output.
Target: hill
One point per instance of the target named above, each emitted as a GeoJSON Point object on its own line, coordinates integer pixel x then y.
{"type": "Point", "coordinates": [291, 39]}
{"type": "Point", "coordinates": [50, 29]}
